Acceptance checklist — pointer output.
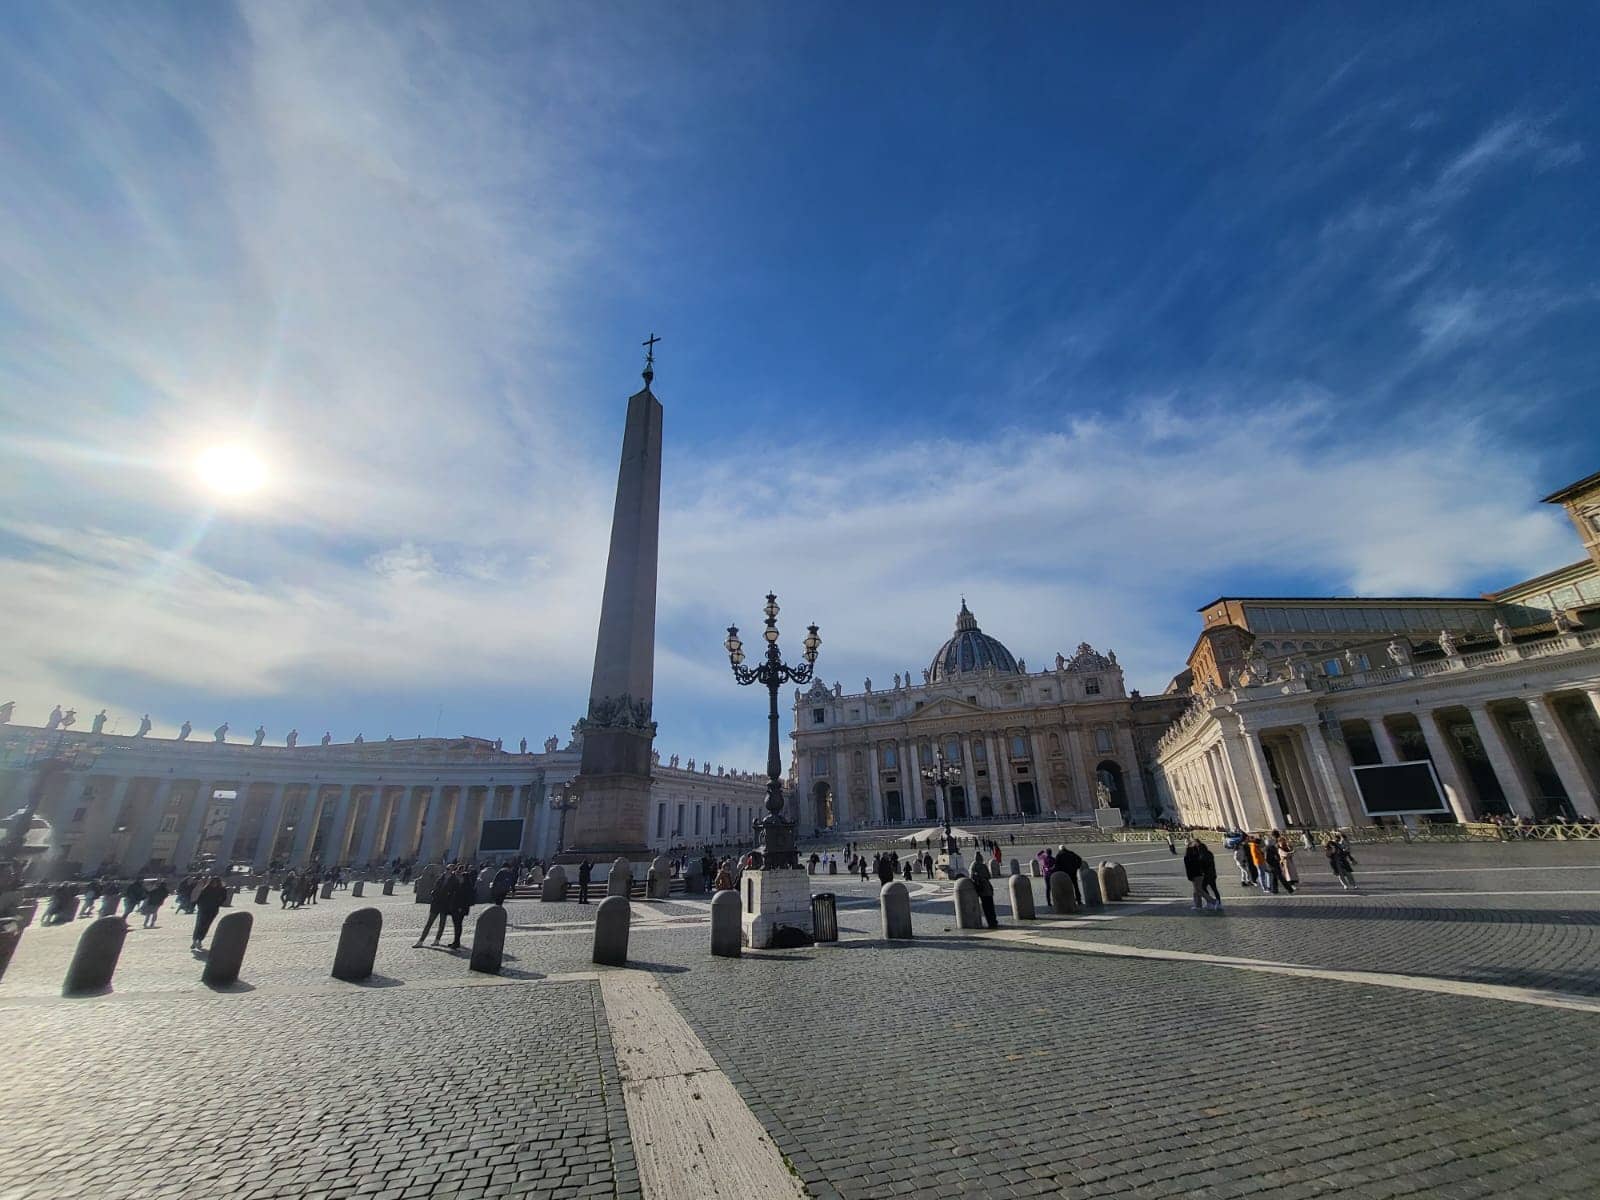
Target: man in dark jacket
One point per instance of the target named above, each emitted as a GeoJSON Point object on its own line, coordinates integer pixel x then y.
{"type": "Point", "coordinates": [885, 869]}
{"type": "Point", "coordinates": [504, 880]}
{"type": "Point", "coordinates": [440, 905]}
{"type": "Point", "coordinates": [466, 897]}
{"type": "Point", "coordinates": [985, 889]}
{"type": "Point", "coordinates": [206, 904]}
{"type": "Point", "coordinates": [1200, 867]}
{"type": "Point", "coordinates": [1069, 862]}
{"type": "Point", "coordinates": [585, 873]}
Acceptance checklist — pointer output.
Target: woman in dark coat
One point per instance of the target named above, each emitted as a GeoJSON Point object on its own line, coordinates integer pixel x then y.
{"type": "Point", "coordinates": [206, 905]}
{"type": "Point", "coordinates": [985, 889]}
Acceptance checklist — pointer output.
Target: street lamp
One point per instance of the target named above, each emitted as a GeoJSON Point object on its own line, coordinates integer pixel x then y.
{"type": "Point", "coordinates": [941, 775]}
{"type": "Point", "coordinates": [563, 799]}
{"type": "Point", "coordinates": [777, 833]}
{"type": "Point", "coordinates": [56, 752]}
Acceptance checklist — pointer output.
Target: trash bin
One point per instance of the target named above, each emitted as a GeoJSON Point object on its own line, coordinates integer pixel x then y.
{"type": "Point", "coordinates": [824, 917]}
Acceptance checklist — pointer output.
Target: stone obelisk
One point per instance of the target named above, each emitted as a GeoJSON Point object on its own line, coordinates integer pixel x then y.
{"type": "Point", "coordinates": [612, 816]}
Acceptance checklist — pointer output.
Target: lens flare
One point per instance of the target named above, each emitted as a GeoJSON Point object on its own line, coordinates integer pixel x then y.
{"type": "Point", "coordinates": [230, 470]}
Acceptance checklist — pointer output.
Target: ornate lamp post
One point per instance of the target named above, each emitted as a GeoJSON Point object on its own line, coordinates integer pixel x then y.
{"type": "Point", "coordinates": [777, 832]}
{"type": "Point", "coordinates": [941, 775]}
{"type": "Point", "coordinates": [51, 754]}
{"type": "Point", "coordinates": [563, 799]}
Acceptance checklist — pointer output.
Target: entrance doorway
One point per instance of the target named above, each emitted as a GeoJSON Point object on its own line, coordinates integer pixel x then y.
{"type": "Point", "coordinates": [958, 803]}
{"type": "Point", "coordinates": [822, 806]}
{"type": "Point", "coordinates": [891, 807]}
{"type": "Point", "coordinates": [1026, 800]}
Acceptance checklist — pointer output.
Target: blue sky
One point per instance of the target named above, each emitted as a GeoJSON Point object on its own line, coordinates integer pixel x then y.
{"type": "Point", "coordinates": [1089, 315]}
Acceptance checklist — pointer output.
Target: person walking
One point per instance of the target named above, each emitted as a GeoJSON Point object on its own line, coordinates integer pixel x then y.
{"type": "Point", "coordinates": [1340, 862]}
{"type": "Point", "coordinates": [466, 897]}
{"type": "Point", "coordinates": [206, 904]}
{"type": "Point", "coordinates": [985, 890]}
{"type": "Point", "coordinates": [1267, 864]}
{"type": "Point", "coordinates": [440, 905]}
{"type": "Point", "coordinates": [288, 887]}
{"type": "Point", "coordinates": [1245, 861]}
{"type": "Point", "coordinates": [504, 880]}
{"type": "Point", "coordinates": [585, 873]}
{"type": "Point", "coordinates": [153, 900]}
{"type": "Point", "coordinates": [1200, 867]}
{"type": "Point", "coordinates": [927, 864]}
{"type": "Point", "coordinates": [132, 896]}
{"type": "Point", "coordinates": [1287, 875]}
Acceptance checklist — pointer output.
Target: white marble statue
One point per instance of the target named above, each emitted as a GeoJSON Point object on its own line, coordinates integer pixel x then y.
{"type": "Point", "coordinates": [1447, 643]}
{"type": "Point", "coordinates": [1501, 633]}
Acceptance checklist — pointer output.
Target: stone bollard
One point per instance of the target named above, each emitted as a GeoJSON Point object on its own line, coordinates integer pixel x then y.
{"type": "Point", "coordinates": [388, 887]}
{"type": "Point", "coordinates": [95, 959]}
{"type": "Point", "coordinates": [227, 949]}
{"type": "Point", "coordinates": [726, 937]}
{"type": "Point", "coordinates": [108, 905]}
{"type": "Point", "coordinates": [327, 890]}
{"type": "Point", "coordinates": [489, 940]}
{"type": "Point", "coordinates": [358, 945]}
{"type": "Point", "coordinates": [1022, 897]}
{"type": "Point", "coordinates": [1061, 898]}
{"type": "Point", "coordinates": [969, 913]}
{"type": "Point", "coordinates": [554, 887]}
{"type": "Point", "coordinates": [1089, 886]}
{"type": "Point", "coordinates": [620, 881]}
{"type": "Point", "coordinates": [659, 884]}
{"type": "Point", "coordinates": [358, 889]}
{"type": "Point", "coordinates": [1106, 880]}
{"type": "Point", "coordinates": [1016, 867]}
{"type": "Point", "coordinates": [894, 911]}
{"type": "Point", "coordinates": [262, 893]}
{"type": "Point", "coordinates": [1034, 869]}
{"type": "Point", "coordinates": [611, 932]}
{"type": "Point", "coordinates": [1122, 881]}
{"type": "Point", "coordinates": [227, 897]}
{"type": "Point", "coordinates": [425, 881]}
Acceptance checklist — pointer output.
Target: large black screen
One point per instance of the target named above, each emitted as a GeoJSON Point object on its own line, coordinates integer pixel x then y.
{"type": "Point", "coordinates": [501, 835]}
{"type": "Point", "coordinates": [1395, 788]}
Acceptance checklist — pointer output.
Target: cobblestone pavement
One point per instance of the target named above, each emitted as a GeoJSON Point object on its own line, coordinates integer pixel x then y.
{"type": "Point", "coordinates": [958, 1063]}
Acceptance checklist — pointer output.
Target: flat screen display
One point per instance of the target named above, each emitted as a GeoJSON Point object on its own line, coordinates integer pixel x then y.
{"type": "Point", "coordinates": [1400, 789]}
{"type": "Point", "coordinates": [501, 836]}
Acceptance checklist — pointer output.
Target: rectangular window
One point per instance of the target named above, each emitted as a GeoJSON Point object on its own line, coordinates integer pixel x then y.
{"type": "Point", "coordinates": [169, 824]}
{"type": "Point", "coordinates": [1102, 741]}
{"type": "Point", "coordinates": [819, 765]}
{"type": "Point", "coordinates": [697, 820]}
{"type": "Point", "coordinates": [952, 751]}
{"type": "Point", "coordinates": [1331, 667]}
{"type": "Point", "coordinates": [78, 814]}
{"type": "Point", "coordinates": [819, 716]}
{"type": "Point", "coordinates": [980, 752]}
{"type": "Point", "coordinates": [925, 753]}
{"type": "Point", "coordinates": [885, 710]}
{"type": "Point", "coordinates": [1091, 687]}
{"type": "Point", "coordinates": [919, 706]}
{"type": "Point", "coordinates": [677, 829]}
{"type": "Point", "coordinates": [1019, 747]}
{"type": "Point", "coordinates": [661, 820]}
{"type": "Point", "coordinates": [888, 758]}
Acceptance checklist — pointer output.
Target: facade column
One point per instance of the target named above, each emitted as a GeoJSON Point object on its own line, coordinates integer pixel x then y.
{"type": "Point", "coordinates": [193, 827]}
{"type": "Point", "coordinates": [1328, 774]}
{"type": "Point", "coordinates": [1293, 764]}
{"type": "Point", "coordinates": [1388, 752]}
{"type": "Point", "coordinates": [1087, 753]}
{"type": "Point", "coordinates": [841, 790]}
{"type": "Point", "coordinates": [1041, 774]}
{"type": "Point", "coordinates": [305, 828]}
{"type": "Point", "coordinates": [999, 773]}
{"type": "Point", "coordinates": [1505, 767]}
{"type": "Point", "coordinates": [1444, 764]}
{"type": "Point", "coordinates": [100, 820]}
{"type": "Point", "coordinates": [270, 822]}
{"type": "Point", "coordinates": [913, 788]}
{"type": "Point", "coordinates": [969, 777]}
{"type": "Point", "coordinates": [1134, 780]}
{"type": "Point", "coordinates": [339, 832]}
{"type": "Point", "coordinates": [875, 780]}
{"type": "Point", "coordinates": [148, 823]}
{"type": "Point", "coordinates": [1563, 756]}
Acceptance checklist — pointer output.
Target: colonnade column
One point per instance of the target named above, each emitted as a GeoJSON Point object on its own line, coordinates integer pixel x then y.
{"type": "Point", "coordinates": [370, 827]}
{"type": "Point", "coordinates": [143, 835]}
{"type": "Point", "coordinates": [1387, 751]}
{"type": "Point", "coordinates": [1247, 762]}
{"type": "Point", "coordinates": [1322, 762]}
{"type": "Point", "coordinates": [1563, 756]}
{"type": "Point", "coordinates": [306, 827]}
{"type": "Point", "coordinates": [193, 827]}
{"type": "Point", "coordinates": [339, 831]}
{"type": "Point", "coordinates": [429, 845]}
{"type": "Point", "coordinates": [1444, 765]}
{"type": "Point", "coordinates": [1505, 767]}
{"type": "Point", "coordinates": [269, 827]}
{"type": "Point", "coordinates": [99, 821]}
{"type": "Point", "coordinates": [230, 829]}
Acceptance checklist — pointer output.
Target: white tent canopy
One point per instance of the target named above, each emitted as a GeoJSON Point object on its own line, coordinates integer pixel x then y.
{"type": "Point", "coordinates": [935, 832]}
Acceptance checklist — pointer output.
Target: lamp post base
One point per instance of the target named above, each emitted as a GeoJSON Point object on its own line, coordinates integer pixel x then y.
{"type": "Point", "coordinates": [775, 909]}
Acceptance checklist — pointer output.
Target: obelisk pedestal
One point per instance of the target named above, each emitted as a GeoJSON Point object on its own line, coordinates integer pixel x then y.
{"type": "Point", "coordinates": [612, 815]}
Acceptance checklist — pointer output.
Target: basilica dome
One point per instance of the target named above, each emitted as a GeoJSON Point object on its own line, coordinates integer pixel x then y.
{"type": "Point", "coordinates": [970, 652]}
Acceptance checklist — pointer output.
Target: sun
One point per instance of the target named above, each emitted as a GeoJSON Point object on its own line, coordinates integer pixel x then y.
{"type": "Point", "coordinates": [230, 470]}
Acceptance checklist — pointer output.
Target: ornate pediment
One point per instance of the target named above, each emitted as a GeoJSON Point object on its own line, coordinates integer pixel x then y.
{"type": "Point", "coordinates": [1087, 658]}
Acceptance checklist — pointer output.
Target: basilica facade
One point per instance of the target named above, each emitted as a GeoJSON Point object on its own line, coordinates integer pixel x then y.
{"type": "Point", "coordinates": [1056, 742]}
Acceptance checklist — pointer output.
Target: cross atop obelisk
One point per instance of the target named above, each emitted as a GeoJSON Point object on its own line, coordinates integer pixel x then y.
{"type": "Point", "coordinates": [614, 776]}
